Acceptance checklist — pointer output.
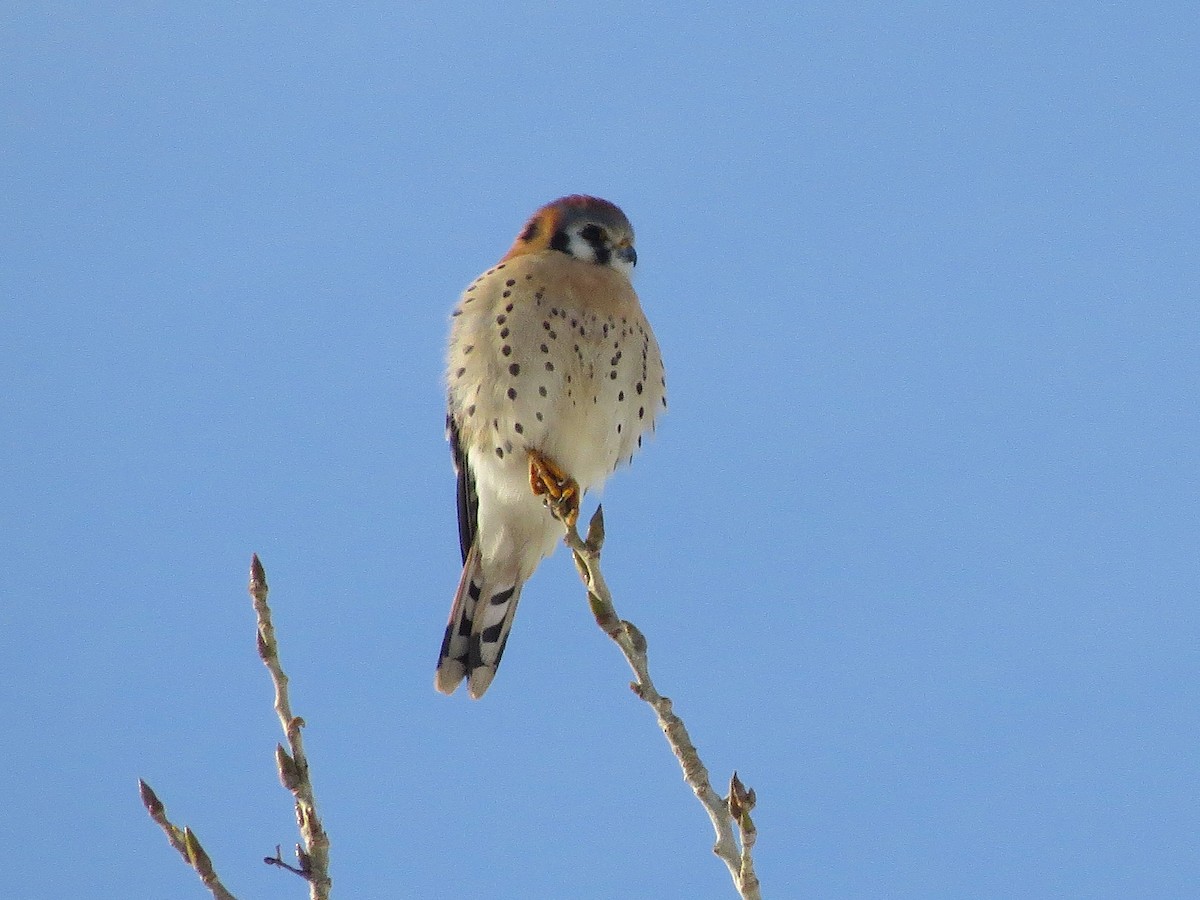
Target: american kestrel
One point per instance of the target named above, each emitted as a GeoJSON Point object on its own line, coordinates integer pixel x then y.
{"type": "Point", "coordinates": [554, 377]}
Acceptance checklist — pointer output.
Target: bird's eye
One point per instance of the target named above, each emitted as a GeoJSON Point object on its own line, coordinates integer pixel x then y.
{"type": "Point", "coordinates": [593, 234]}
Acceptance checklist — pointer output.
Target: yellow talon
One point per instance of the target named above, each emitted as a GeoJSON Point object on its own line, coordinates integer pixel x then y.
{"type": "Point", "coordinates": [560, 489]}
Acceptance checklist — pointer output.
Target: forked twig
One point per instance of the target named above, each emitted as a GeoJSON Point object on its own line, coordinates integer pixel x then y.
{"type": "Point", "coordinates": [185, 841]}
{"type": "Point", "coordinates": [313, 855]}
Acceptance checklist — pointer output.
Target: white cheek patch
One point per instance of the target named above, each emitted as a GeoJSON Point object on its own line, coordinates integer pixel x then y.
{"type": "Point", "coordinates": [581, 249]}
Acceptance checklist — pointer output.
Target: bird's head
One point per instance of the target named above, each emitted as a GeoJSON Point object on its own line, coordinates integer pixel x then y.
{"type": "Point", "coordinates": [587, 228]}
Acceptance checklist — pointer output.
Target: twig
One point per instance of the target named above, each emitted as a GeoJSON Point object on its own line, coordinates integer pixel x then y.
{"type": "Point", "coordinates": [185, 841]}
{"type": "Point", "coordinates": [293, 766]}
{"type": "Point", "coordinates": [293, 772]}
{"type": "Point", "coordinates": [277, 860]}
{"type": "Point", "coordinates": [727, 813]}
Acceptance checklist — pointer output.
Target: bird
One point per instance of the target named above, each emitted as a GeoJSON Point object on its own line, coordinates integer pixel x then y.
{"type": "Point", "coordinates": [554, 377]}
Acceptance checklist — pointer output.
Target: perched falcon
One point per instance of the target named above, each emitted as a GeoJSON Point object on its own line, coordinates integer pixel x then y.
{"type": "Point", "coordinates": [554, 376]}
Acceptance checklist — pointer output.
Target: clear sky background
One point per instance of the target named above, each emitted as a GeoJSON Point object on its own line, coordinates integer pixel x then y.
{"type": "Point", "coordinates": [915, 547]}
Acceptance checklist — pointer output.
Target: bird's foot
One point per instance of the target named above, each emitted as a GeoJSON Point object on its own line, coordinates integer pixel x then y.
{"type": "Point", "coordinates": [560, 490]}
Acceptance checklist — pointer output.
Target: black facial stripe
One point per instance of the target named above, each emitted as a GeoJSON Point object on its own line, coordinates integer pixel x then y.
{"type": "Point", "coordinates": [561, 242]}
{"type": "Point", "coordinates": [598, 240]}
{"type": "Point", "coordinates": [593, 234]}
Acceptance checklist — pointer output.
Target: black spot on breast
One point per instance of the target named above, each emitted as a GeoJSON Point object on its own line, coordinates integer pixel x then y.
{"type": "Point", "coordinates": [545, 349]}
{"type": "Point", "coordinates": [506, 294]}
{"type": "Point", "coordinates": [471, 410]}
{"type": "Point", "coordinates": [507, 351]}
{"type": "Point", "coordinates": [504, 332]}
{"type": "Point", "coordinates": [542, 390]}
{"type": "Point", "coordinates": [641, 412]}
{"type": "Point", "coordinates": [500, 320]}
{"type": "Point", "coordinates": [549, 366]}
{"type": "Point", "coordinates": [512, 393]}
{"type": "Point", "coordinates": [467, 349]}
{"type": "Point", "coordinates": [638, 386]}
{"type": "Point", "coordinates": [514, 369]}
{"type": "Point", "coordinates": [518, 428]}
{"type": "Point", "coordinates": [500, 452]}
{"type": "Point", "coordinates": [510, 282]}
{"type": "Point", "coordinates": [620, 396]}
{"type": "Point", "coordinates": [460, 373]}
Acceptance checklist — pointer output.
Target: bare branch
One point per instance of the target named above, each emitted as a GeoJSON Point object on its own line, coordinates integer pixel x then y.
{"type": "Point", "coordinates": [185, 842]}
{"type": "Point", "coordinates": [726, 814]}
{"type": "Point", "coordinates": [293, 767]}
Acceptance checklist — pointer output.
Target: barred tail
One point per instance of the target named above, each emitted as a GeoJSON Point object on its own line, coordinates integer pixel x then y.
{"type": "Point", "coordinates": [476, 633]}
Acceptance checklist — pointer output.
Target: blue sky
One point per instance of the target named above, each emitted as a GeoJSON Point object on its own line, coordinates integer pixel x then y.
{"type": "Point", "coordinates": [915, 547]}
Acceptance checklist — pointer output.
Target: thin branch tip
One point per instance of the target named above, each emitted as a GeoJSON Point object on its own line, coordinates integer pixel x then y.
{"type": "Point", "coordinates": [150, 799]}
{"type": "Point", "coordinates": [258, 578]}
